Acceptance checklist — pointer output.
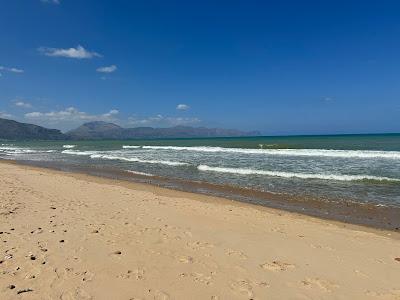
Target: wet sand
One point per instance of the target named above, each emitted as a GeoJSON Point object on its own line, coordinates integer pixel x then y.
{"type": "Point", "coordinates": [344, 210]}
{"type": "Point", "coordinates": [75, 236]}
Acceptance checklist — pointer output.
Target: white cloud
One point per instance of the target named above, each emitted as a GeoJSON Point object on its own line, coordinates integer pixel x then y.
{"type": "Point", "coordinates": [5, 115]}
{"type": "Point", "coordinates": [51, 1]}
{"type": "Point", "coordinates": [12, 70]}
{"type": "Point", "coordinates": [182, 107]}
{"type": "Point", "coordinates": [160, 120]}
{"type": "Point", "coordinates": [22, 104]}
{"type": "Point", "coordinates": [78, 53]}
{"type": "Point", "coordinates": [112, 113]}
{"type": "Point", "coordinates": [109, 69]}
{"type": "Point", "coordinates": [69, 118]}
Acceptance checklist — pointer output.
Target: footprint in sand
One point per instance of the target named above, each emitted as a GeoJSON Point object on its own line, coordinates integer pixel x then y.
{"type": "Point", "coordinates": [277, 265]}
{"type": "Point", "coordinates": [199, 245]}
{"type": "Point", "coordinates": [324, 285]}
{"type": "Point", "coordinates": [242, 287]}
{"type": "Point", "coordinates": [159, 295]}
{"type": "Point", "coordinates": [236, 253]}
{"type": "Point", "coordinates": [199, 277]}
{"type": "Point", "coordinates": [393, 294]}
{"type": "Point", "coordinates": [138, 274]}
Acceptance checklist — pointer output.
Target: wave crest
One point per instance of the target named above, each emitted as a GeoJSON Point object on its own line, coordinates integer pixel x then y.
{"type": "Point", "coordinates": [338, 177]}
{"type": "Point", "coordinates": [69, 146]}
{"type": "Point", "coordinates": [363, 154]}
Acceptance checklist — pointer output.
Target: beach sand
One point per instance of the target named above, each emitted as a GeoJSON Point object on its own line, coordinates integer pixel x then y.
{"type": "Point", "coordinates": [73, 236]}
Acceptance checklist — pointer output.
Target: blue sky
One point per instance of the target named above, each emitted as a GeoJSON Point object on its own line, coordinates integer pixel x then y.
{"type": "Point", "coordinates": [281, 67]}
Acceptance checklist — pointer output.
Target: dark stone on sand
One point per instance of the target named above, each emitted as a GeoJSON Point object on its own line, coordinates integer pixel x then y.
{"type": "Point", "coordinates": [62, 241]}
{"type": "Point", "coordinates": [118, 252]}
{"type": "Point", "coordinates": [33, 257]}
{"type": "Point", "coordinates": [397, 259]}
{"type": "Point", "coordinates": [24, 291]}
{"type": "Point", "coordinates": [11, 286]}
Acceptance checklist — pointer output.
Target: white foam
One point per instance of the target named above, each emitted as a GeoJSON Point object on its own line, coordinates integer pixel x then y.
{"type": "Point", "coordinates": [69, 146]}
{"type": "Point", "coordinates": [16, 150]}
{"type": "Point", "coordinates": [76, 152]}
{"type": "Point", "coordinates": [135, 159]}
{"type": "Point", "coordinates": [289, 152]}
{"type": "Point", "coordinates": [139, 173]}
{"type": "Point", "coordinates": [338, 177]}
{"type": "Point", "coordinates": [130, 147]}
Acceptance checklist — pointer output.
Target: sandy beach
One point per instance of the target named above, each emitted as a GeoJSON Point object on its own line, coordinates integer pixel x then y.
{"type": "Point", "coordinates": [73, 236]}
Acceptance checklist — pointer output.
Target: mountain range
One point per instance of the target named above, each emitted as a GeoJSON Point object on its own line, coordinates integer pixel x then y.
{"type": "Point", "coordinates": [99, 130]}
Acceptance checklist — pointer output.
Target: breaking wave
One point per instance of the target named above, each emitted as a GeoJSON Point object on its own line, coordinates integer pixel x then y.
{"type": "Point", "coordinates": [130, 147]}
{"type": "Point", "coordinates": [338, 177]}
{"type": "Point", "coordinates": [289, 152]}
{"type": "Point", "coordinates": [98, 155]}
{"type": "Point", "coordinates": [69, 146]}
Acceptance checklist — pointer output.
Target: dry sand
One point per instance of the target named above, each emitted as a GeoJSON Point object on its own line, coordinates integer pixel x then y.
{"type": "Point", "coordinates": [71, 236]}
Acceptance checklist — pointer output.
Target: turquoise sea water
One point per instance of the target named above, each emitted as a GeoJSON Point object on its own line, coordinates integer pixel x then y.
{"type": "Point", "coordinates": [360, 168]}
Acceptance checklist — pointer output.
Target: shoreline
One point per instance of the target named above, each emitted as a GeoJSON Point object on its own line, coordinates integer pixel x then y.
{"type": "Point", "coordinates": [76, 236]}
{"type": "Point", "coordinates": [346, 212]}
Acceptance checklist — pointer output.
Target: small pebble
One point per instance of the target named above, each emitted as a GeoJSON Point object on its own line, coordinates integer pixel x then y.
{"type": "Point", "coordinates": [62, 241]}
{"type": "Point", "coordinates": [11, 286]}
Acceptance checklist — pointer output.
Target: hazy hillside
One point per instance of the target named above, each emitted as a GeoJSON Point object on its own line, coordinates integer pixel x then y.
{"type": "Point", "coordinates": [103, 130]}
{"type": "Point", "coordinates": [13, 130]}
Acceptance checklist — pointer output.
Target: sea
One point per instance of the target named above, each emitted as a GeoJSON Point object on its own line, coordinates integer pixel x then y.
{"type": "Point", "coordinates": [339, 169]}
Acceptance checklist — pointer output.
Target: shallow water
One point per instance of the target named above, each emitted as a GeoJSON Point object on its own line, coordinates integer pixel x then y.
{"type": "Point", "coordinates": [351, 168]}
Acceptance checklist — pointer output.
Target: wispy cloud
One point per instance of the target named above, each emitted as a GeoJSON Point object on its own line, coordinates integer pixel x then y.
{"type": "Point", "coordinates": [77, 53]}
{"type": "Point", "coordinates": [162, 121]}
{"type": "Point", "coordinates": [5, 115]}
{"type": "Point", "coordinates": [21, 104]}
{"type": "Point", "coordinates": [51, 1]}
{"type": "Point", "coordinates": [182, 107]}
{"type": "Point", "coordinates": [109, 69]}
{"type": "Point", "coordinates": [12, 70]}
{"type": "Point", "coordinates": [71, 114]}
